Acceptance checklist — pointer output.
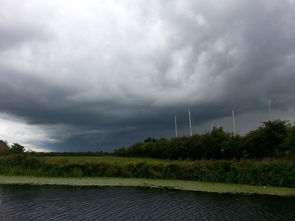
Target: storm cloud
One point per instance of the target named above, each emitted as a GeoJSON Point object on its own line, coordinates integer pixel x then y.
{"type": "Point", "coordinates": [97, 75]}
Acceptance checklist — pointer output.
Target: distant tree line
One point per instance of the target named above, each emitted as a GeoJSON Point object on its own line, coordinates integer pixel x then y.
{"type": "Point", "coordinates": [16, 148]}
{"type": "Point", "coordinates": [272, 139]}
{"type": "Point", "coordinates": [48, 154]}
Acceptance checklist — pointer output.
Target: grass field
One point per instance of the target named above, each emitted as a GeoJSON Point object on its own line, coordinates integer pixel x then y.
{"type": "Point", "coordinates": [152, 183]}
{"type": "Point", "coordinates": [108, 159]}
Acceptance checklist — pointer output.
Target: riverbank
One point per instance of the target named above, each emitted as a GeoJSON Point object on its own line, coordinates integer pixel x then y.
{"type": "Point", "coordinates": [267, 172]}
{"type": "Point", "coordinates": [151, 183]}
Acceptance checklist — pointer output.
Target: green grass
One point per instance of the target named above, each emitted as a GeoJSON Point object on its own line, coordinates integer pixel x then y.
{"type": "Point", "coordinates": [152, 183]}
{"type": "Point", "coordinates": [106, 159]}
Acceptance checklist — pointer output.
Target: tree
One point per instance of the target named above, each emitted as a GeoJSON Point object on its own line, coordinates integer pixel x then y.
{"type": "Point", "coordinates": [233, 147]}
{"type": "Point", "coordinates": [212, 143]}
{"type": "Point", "coordinates": [272, 139]}
{"type": "Point", "coordinates": [267, 140]}
{"type": "Point", "coordinates": [289, 143]}
{"type": "Point", "coordinates": [17, 148]}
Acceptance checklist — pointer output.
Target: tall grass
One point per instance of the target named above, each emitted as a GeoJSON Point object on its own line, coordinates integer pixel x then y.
{"type": "Point", "coordinates": [265, 172]}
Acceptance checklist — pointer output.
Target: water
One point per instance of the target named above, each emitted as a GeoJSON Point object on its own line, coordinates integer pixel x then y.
{"type": "Point", "coordinates": [25, 202]}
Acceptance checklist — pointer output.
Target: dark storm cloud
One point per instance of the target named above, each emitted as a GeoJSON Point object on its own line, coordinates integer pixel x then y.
{"type": "Point", "coordinates": [100, 76]}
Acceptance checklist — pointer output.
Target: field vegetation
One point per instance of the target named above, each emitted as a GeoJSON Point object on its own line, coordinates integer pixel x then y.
{"type": "Point", "coordinates": [267, 172]}
{"type": "Point", "coordinates": [263, 157]}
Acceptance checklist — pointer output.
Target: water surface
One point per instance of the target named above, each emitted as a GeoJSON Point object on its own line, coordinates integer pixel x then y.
{"type": "Point", "coordinates": [25, 202]}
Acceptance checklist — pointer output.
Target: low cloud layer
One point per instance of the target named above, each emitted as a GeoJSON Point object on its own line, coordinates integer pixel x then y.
{"type": "Point", "coordinates": [90, 76]}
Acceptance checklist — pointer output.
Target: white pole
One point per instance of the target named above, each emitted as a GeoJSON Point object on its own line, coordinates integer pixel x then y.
{"type": "Point", "coordinates": [211, 126]}
{"type": "Point", "coordinates": [234, 123]}
{"type": "Point", "coordinates": [269, 109]}
{"type": "Point", "coordinates": [190, 122]}
{"type": "Point", "coordinates": [175, 121]}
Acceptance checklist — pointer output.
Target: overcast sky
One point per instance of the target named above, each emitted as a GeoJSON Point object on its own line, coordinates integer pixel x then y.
{"type": "Point", "coordinates": [98, 75]}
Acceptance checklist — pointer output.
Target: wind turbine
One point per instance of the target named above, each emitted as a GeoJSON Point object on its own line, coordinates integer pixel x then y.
{"type": "Point", "coordinates": [175, 123]}
{"type": "Point", "coordinates": [269, 109]}
{"type": "Point", "coordinates": [190, 122]}
{"type": "Point", "coordinates": [234, 123]}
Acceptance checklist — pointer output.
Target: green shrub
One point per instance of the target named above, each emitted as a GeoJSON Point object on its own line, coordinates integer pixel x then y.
{"type": "Point", "coordinates": [266, 172]}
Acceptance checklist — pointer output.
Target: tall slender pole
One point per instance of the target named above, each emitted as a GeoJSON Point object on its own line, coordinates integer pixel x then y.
{"type": "Point", "coordinates": [269, 109]}
{"type": "Point", "coordinates": [211, 126]}
{"type": "Point", "coordinates": [175, 122]}
{"type": "Point", "coordinates": [234, 123]}
{"type": "Point", "coordinates": [190, 122]}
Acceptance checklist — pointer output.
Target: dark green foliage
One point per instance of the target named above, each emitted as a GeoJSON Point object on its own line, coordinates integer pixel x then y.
{"type": "Point", "coordinates": [267, 140]}
{"type": "Point", "coordinates": [233, 148]}
{"type": "Point", "coordinates": [266, 172]}
{"type": "Point", "coordinates": [17, 148]}
{"type": "Point", "coordinates": [289, 143]}
{"type": "Point", "coordinates": [272, 139]}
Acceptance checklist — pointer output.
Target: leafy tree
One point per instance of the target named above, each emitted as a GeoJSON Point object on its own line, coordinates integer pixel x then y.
{"type": "Point", "coordinates": [233, 147]}
{"type": "Point", "coordinates": [212, 143]}
{"type": "Point", "coordinates": [17, 148]}
{"type": "Point", "coordinates": [267, 140]}
{"type": "Point", "coordinates": [178, 148]}
{"type": "Point", "coordinates": [288, 147]}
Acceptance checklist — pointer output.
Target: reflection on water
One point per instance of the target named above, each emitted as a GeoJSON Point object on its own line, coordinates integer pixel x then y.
{"type": "Point", "coordinates": [126, 203]}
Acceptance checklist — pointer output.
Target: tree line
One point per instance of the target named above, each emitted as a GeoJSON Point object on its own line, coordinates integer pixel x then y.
{"type": "Point", "coordinates": [272, 139]}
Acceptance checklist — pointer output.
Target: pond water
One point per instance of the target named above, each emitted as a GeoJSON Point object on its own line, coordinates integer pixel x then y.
{"type": "Point", "coordinates": [24, 202]}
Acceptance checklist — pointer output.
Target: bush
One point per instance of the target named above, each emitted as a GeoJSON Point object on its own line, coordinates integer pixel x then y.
{"type": "Point", "coordinates": [266, 172]}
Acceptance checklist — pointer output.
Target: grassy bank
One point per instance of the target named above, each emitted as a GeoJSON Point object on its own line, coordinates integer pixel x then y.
{"type": "Point", "coordinates": [264, 173]}
{"type": "Point", "coordinates": [152, 183]}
